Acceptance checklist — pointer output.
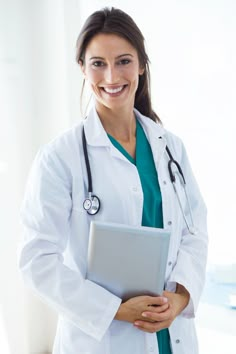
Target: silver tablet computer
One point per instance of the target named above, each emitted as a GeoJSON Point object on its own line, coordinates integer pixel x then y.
{"type": "Point", "coordinates": [126, 260]}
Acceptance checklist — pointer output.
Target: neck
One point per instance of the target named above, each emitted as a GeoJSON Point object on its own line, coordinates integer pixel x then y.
{"type": "Point", "coordinates": [120, 124]}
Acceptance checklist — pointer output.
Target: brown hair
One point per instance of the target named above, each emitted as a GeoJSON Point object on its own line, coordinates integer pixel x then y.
{"type": "Point", "coordinates": [115, 21]}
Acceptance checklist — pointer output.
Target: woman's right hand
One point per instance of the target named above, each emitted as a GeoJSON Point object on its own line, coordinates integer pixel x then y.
{"type": "Point", "coordinates": [132, 309]}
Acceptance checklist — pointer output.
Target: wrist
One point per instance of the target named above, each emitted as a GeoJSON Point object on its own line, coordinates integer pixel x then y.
{"type": "Point", "coordinates": [120, 314]}
{"type": "Point", "coordinates": [184, 295]}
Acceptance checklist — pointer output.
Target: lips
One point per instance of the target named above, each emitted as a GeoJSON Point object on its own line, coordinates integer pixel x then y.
{"type": "Point", "coordinates": [114, 90]}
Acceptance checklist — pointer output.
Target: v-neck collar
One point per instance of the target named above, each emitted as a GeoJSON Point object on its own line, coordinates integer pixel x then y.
{"type": "Point", "coordinates": [139, 135]}
{"type": "Point", "coordinates": [97, 136]}
{"type": "Point", "coordinates": [122, 149]}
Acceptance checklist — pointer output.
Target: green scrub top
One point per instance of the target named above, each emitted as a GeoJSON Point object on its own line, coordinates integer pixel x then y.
{"type": "Point", "coordinates": [152, 206]}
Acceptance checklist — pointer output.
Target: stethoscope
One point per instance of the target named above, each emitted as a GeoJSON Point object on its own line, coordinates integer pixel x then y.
{"type": "Point", "coordinates": [92, 203]}
{"type": "Point", "coordinates": [171, 163]}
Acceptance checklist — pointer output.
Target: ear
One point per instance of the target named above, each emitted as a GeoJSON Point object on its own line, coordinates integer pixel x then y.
{"type": "Point", "coordinates": [82, 67]}
{"type": "Point", "coordinates": [141, 71]}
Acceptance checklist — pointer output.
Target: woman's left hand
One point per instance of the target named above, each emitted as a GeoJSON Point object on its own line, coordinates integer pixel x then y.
{"type": "Point", "coordinates": [177, 302]}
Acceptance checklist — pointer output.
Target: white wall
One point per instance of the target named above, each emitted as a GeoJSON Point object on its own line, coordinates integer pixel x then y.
{"type": "Point", "coordinates": [39, 90]}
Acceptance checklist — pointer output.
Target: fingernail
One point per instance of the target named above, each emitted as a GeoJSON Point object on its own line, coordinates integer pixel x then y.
{"type": "Point", "coordinates": [144, 314]}
{"type": "Point", "coordinates": [165, 299]}
{"type": "Point", "coordinates": [136, 323]}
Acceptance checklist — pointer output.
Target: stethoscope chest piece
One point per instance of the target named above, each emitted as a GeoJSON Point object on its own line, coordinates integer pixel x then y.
{"type": "Point", "coordinates": [92, 205]}
{"type": "Point", "coordinates": [87, 204]}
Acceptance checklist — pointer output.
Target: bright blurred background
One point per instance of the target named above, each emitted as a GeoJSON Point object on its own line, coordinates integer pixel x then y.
{"type": "Point", "coordinates": [192, 49]}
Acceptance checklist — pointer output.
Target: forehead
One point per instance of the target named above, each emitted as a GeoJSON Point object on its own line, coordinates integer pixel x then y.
{"type": "Point", "coordinates": [109, 45]}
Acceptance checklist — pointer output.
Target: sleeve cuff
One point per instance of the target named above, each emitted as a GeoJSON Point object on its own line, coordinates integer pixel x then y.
{"type": "Point", "coordinates": [95, 317]}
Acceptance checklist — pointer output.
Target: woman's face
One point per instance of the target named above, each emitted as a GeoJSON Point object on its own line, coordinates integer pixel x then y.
{"type": "Point", "coordinates": [112, 69]}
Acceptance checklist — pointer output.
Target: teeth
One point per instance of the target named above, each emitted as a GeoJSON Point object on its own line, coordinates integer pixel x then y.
{"type": "Point", "coordinates": [109, 90]}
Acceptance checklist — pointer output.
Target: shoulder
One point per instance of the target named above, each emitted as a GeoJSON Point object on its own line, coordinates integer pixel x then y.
{"type": "Point", "coordinates": [65, 142]}
{"type": "Point", "coordinates": [156, 130]}
{"type": "Point", "coordinates": [64, 146]}
{"type": "Point", "coordinates": [59, 156]}
{"type": "Point", "coordinates": [174, 143]}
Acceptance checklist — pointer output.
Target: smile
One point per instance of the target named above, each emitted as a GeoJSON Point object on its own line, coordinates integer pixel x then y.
{"type": "Point", "coordinates": [115, 90]}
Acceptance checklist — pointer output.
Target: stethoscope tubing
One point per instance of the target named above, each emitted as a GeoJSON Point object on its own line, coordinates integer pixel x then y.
{"type": "Point", "coordinates": [94, 201]}
{"type": "Point", "coordinates": [172, 162]}
{"type": "Point", "coordinates": [89, 174]}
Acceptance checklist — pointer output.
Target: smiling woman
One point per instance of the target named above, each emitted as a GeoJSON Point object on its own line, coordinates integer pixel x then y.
{"type": "Point", "coordinates": [123, 145]}
{"type": "Point", "coordinates": [112, 68]}
{"type": "Point", "coordinates": [110, 26]}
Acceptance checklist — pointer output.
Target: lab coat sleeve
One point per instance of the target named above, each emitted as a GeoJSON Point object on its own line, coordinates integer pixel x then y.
{"type": "Point", "coordinates": [190, 266]}
{"type": "Point", "coordinates": [45, 216]}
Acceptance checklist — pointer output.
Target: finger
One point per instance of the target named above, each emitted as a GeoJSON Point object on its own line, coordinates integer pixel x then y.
{"type": "Point", "coordinates": [156, 301]}
{"type": "Point", "coordinates": [158, 309]}
{"type": "Point", "coordinates": [157, 317]}
{"type": "Point", "coordinates": [146, 320]}
{"type": "Point", "coordinates": [154, 310]}
{"type": "Point", "coordinates": [145, 326]}
{"type": "Point", "coordinates": [151, 327]}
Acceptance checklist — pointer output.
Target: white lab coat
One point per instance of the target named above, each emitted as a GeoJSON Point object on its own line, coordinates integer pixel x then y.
{"type": "Point", "coordinates": [53, 255]}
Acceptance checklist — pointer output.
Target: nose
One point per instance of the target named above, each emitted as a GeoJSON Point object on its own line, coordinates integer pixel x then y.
{"type": "Point", "coordinates": [111, 75]}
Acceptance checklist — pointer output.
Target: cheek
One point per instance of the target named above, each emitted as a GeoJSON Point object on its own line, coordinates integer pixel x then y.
{"type": "Point", "coordinates": [132, 75]}
{"type": "Point", "coordinates": [93, 77]}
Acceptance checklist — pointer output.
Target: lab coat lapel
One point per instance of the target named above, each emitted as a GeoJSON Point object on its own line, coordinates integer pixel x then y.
{"type": "Point", "coordinates": [94, 131]}
{"type": "Point", "coordinates": [155, 134]}
{"type": "Point", "coordinates": [97, 136]}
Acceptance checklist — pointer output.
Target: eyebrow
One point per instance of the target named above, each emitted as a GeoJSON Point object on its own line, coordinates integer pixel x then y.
{"type": "Point", "coordinates": [118, 57]}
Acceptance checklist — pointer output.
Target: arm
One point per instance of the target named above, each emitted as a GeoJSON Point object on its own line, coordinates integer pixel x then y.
{"type": "Point", "coordinates": [189, 270]}
{"type": "Point", "coordinates": [185, 284]}
{"type": "Point", "coordinates": [45, 215]}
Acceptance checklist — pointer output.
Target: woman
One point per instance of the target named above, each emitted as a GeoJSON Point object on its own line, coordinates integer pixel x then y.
{"type": "Point", "coordinates": [127, 149]}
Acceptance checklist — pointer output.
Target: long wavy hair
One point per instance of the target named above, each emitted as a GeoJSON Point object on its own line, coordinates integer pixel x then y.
{"type": "Point", "coordinates": [116, 21]}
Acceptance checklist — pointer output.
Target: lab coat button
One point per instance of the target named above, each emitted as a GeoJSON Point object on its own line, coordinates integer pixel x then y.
{"type": "Point", "coordinates": [169, 223]}
{"type": "Point", "coordinates": [134, 189]}
{"type": "Point", "coordinates": [169, 263]}
{"type": "Point", "coordinates": [151, 349]}
{"type": "Point", "coordinates": [164, 182]}
{"type": "Point", "coordinates": [177, 341]}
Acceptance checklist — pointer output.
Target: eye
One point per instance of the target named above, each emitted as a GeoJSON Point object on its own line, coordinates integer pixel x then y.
{"type": "Point", "coordinates": [124, 61]}
{"type": "Point", "coordinates": [98, 63]}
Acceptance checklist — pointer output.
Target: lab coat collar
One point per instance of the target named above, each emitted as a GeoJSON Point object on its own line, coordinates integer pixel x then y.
{"type": "Point", "coordinates": [155, 134]}
{"type": "Point", "coordinates": [152, 129]}
{"type": "Point", "coordinates": [94, 131]}
{"type": "Point", "coordinates": [97, 136]}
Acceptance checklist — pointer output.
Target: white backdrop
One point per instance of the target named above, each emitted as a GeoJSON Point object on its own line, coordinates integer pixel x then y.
{"type": "Point", "coordinates": [192, 49]}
